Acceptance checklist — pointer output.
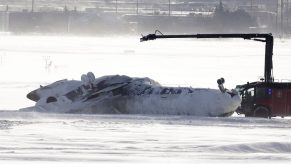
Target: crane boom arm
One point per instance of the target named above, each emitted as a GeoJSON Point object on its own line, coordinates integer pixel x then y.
{"type": "Point", "coordinates": [267, 38]}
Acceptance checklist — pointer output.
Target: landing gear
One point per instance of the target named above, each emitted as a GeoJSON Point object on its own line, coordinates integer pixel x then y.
{"type": "Point", "coordinates": [51, 99]}
{"type": "Point", "coordinates": [220, 83]}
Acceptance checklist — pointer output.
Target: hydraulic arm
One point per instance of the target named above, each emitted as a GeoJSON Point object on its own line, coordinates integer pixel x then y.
{"type": "Point", "coordinates": [267, 38]}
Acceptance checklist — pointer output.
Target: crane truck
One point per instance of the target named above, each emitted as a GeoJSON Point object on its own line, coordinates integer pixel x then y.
{"type": "Point", "coordinates": [265, 98]}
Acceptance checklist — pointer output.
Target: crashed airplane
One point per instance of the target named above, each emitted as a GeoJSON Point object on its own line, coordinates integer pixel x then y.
{"type": "Point", "coordinates": [118, 94]}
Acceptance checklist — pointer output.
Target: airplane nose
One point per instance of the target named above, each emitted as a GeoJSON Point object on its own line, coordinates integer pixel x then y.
{"type": "Point", "coordinates": [33, 96]}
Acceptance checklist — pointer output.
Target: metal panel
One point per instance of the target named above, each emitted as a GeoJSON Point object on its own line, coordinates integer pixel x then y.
{"type": "Point", "coordinates": [288, 102]}
{"type": "Point", "coordinates": [279, 97]}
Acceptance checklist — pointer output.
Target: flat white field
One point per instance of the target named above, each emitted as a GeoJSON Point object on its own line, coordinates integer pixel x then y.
{"type": "Point", "coordinates": [64, 138]}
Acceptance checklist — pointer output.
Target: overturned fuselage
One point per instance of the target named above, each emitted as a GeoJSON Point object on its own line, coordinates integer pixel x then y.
{"type": "Point", "coordinates": [125, 95]}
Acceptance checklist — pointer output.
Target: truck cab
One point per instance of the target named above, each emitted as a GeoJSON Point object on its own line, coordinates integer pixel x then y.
{"type": "Point", "coordinates": [263, 99]}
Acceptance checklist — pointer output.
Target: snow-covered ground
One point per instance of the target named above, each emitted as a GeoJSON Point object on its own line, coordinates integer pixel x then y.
{"type": "Point", "coordinates": [64, 138]}
{"type": "Point", "coordinates": [29, 61]}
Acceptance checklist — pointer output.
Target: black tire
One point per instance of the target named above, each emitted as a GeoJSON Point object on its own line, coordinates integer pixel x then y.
{"type": "Point", "coordinates": [261, 111]}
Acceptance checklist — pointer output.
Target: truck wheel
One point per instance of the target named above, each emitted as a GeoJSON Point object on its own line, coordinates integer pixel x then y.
{"type": "Point", "coordinates": [261, 112]}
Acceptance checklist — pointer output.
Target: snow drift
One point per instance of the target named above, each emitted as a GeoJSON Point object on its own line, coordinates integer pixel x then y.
{"type": "Point", "coordinates": [117, 94]}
